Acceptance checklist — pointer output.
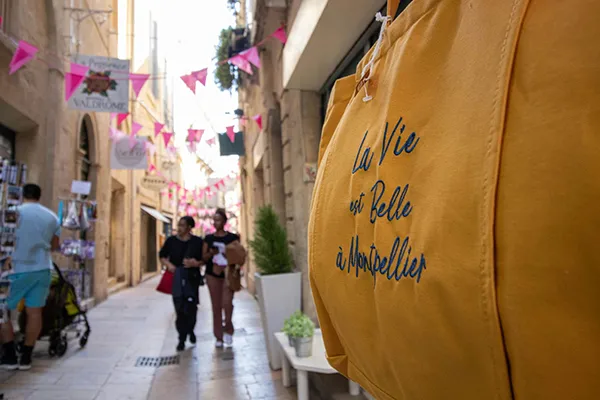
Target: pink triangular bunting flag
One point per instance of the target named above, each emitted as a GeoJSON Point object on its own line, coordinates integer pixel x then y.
{"type": "Point", "coordinates": [199, 133]}
{"type": "Point", "coordinates": [210, 141]}
{"type": "Point", "coordinates": [137, 82]}
{"type": "Point", "coordinates": [151, 147]}
{"type": "Point", "coordinates": [72, 82]}
{"type": "Point", "coordinates": [191, 137]}
{"type": "Point", "coordinates": [135, 128]}
{"type": "Point", "coordinates": [132, 141]}
{"type": "Point", "coordinates": [201, 76]}
{"type": "Point", "coordinates": [151, 168]}
{"type": "Point", "coordinates": [190, 82]}
{"type": "Point", "coordinates": [241, 62]}
{"type": "Point", "coordinates": [252, 55]}
{"type": "Point", "coordinates": [280, 35]}
{"type": "Point", "coordinates": [258, 119]}
{"type": "Point", "coordinates": [115, 134]}
{"type": "Point", "coordinates": [122, 117]}
{"type": "Point", "coordinates": [24, 53]}
{"type": "Point", "coordinates": [167, 138]}
{"type": "Point", "coordinates": [78, 69]}
{"type": "Point", "coordinates": [231, 134]}
{"type": "Point", "coordinates": [158, 127]}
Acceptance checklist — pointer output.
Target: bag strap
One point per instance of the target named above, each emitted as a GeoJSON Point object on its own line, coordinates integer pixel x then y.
{"type": "Point", "coordinates": [393, 7]}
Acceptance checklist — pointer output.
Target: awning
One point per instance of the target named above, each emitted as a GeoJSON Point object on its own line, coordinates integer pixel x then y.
{"type": "Point", "coordinates": [155, 214]}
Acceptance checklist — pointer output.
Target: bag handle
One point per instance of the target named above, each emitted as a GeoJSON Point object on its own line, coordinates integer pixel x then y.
{"type": "Point", "coordinates": [392, 8]}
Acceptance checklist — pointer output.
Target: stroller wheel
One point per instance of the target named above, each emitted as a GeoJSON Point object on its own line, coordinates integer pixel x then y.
{"type": "Point", "coordinates": [61, 346]}
{"type": "Point", "coordinates": [83, 341]}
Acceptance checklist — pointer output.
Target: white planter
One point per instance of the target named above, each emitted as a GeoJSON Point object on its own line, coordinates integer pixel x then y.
{"type": "Point", "coordinates": [279, 296]}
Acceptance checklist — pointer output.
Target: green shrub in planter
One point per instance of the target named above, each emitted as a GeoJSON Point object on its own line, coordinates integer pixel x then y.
{"type": "Point", "coordinates": [270, 245]}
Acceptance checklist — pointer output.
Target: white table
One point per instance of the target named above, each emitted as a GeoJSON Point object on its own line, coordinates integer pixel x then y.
{"type": "Point", "coordinates": [315, 363]}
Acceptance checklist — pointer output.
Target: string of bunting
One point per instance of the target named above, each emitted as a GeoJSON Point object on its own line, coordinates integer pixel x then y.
{"type": "Point", "coordinates": [26, 52]}
{"type": "Point", "coordinates": [196, 194]}
{"type": "Point", "coordinates": [78, 74]}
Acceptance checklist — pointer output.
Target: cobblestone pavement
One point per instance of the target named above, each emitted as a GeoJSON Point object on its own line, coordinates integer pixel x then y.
{"type": "Point", "coordinates": [139, 323]}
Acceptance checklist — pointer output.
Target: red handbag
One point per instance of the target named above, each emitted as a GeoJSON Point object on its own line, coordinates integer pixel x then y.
{"type": "Point", "coordinates": [166, 283]}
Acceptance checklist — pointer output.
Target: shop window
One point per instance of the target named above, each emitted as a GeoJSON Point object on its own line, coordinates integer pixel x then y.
{"type": "Point", "coordinates": [84, 148]}
{"type": "Point", "coordinates": [154, 56]}
{"type": "Point", "coordinates": [7, 143]}
{"type": "Point", "coordinates": [167, 229]}
{"type": "Point", "coordinates": [85, 166]}
{"type": "Point", "coordinates": [349, 63]}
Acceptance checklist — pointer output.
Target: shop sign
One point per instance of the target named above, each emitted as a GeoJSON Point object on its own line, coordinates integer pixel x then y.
{"type": "Point", "coordinates": [81, 187]}
{"type": "Point", "coordinates": [154, 182]}
{"type": "Point", "coordinates": [106, 86]}
{"type": "Point", "coordinates": [168, 165]}
{"type": "Point", "coordinates": [123, 156]}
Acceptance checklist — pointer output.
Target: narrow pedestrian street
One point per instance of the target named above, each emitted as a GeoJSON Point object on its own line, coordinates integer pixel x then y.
{"type": "Point", "coordinates": [136, 323]}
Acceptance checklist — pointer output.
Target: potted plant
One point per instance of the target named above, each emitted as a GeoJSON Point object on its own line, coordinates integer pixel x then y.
{"type": "Point", "coordinates": [279, 289]}
{"type": "Point", "coordinates": [302, 330]}
{"type": "Point", "coordinates": [288, 327]}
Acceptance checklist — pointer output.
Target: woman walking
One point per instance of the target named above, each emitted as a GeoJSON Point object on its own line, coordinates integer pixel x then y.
{"type": "Point", "coordinates": [182, 255]}
{"type": "Point", "coordinates": [221, 296]}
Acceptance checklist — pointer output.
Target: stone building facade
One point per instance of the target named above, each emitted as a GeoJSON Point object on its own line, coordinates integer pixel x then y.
{"type": "Point", "coordinates": [58, 144]}
{"type": "Point", "coordinates": [141, 218]}
{"type": "Point", "coordinates": [325, 42]}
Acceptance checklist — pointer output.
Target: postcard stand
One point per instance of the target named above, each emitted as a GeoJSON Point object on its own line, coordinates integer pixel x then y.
{"type": "Point", "coordinates": [12, 178]}
{"type": "Point", "coordinates": [77, 215]}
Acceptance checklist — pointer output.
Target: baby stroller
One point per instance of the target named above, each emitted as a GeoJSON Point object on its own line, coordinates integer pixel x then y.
{"type": "Point", "coordinates": [61, 315]}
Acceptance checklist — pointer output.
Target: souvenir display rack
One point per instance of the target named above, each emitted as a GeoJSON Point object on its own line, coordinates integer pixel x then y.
{"type": "Point", "coordinates": [77, 215]}
{"type": "Point", "coordinates": [13, 176]}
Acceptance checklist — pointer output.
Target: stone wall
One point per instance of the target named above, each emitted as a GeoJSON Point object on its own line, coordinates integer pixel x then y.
{"type": "Point", "coordinates": [273, 169]}
{"type": "Point", "coordinates": [47, 132]}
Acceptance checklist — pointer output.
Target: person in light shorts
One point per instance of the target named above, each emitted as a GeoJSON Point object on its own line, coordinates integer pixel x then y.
{"type": "Point", "coordinates": [37, 234]}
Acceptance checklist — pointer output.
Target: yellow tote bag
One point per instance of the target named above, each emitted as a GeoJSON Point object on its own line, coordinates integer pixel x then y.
{"type": "Point", "coordinates": [454, 225]}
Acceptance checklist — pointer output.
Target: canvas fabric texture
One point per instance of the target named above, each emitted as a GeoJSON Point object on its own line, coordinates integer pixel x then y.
{"type": "Point", "coordinates": [467, 194]}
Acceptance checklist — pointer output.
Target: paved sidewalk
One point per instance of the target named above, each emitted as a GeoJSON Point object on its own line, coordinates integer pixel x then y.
{"type": "Point", "coordinates": [139, 323]}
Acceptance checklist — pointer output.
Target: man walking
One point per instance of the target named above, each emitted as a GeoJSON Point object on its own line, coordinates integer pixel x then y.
{"type": "Point", "coordinates": [37, 234]}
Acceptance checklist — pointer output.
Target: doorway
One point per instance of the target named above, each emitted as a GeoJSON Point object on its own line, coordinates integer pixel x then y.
{"type": "Point", "coordinates": [116, 266]}
{"type": "Point", "coordinates": [148, 250]}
